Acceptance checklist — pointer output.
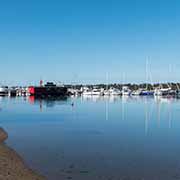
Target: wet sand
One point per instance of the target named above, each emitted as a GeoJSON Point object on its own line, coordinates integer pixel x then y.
{"type": "Point", "coordinates": [12, 166]}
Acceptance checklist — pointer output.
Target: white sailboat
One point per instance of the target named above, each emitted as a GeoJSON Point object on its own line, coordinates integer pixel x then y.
{"type": "Point", "coordinates": [146, 92]}
{"type": "Point", "coordinates": [136, 92]}
{"type": "Point", "coordinates": [86, 91]}
{"type": "Point", "coordinates": [114, 92]}
{"type": "Point", "coordinates": [97, 92]}
{"type": "Point", "coordinates": [106, 91]}
{"type": "Point", "coordinates": [178, 90]}
{"type": "Point", "coordinates": [171, 92]}
{"type": "Point", "coordinates": [161, 91]}
{"type": "Point", "coordinates": [3, 90]}
{"type": "Point", "coordinates": [126, 91]}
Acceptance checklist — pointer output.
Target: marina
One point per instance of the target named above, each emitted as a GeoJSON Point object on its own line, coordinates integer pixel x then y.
{"type": "Point", "coordinates": [90, 90]}
{"type": "Point", "coordinates": [51, 89]}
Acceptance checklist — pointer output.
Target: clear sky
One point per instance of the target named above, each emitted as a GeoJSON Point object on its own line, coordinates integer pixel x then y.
{"type": "Point", "coordinates": [80, 41]}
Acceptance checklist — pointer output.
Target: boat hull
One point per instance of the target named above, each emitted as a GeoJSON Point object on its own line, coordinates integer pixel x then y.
{"type": "Point", "coordinates": [47, 91]}
{"type": "Point", "coordinates": [3, 91]}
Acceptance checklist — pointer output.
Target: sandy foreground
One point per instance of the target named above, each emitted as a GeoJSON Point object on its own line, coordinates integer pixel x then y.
{"type": "Point", "coordinates": [12, 166]}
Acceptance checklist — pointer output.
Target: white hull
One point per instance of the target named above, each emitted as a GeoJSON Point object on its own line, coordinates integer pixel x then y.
{"type": "Point", "coordinates": [97, 92]}
{"type": "Point", "coordinates": [161, 92]}
{"type": "Point", "coordinates": [87, 93]}
{"type": "Point", "coordinates": [115, 93]}
{"type": "Point", "coordinates": [106, 93]}
{"type": "Point", "coordinates": [136, 93]}
{"type": "Point", "coordinates": [3, 91]}
{"type": "Point", "coordinates": [126, 94]}
{"type": "Point", "coordinates": [126, 91]}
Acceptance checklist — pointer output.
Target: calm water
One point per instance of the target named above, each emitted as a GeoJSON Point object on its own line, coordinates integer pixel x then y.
{"type": "Point", "coordinates": [97, 138]}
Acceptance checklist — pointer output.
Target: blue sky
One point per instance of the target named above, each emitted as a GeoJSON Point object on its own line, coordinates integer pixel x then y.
{"type": "Point", "coordinates": [80, 41]}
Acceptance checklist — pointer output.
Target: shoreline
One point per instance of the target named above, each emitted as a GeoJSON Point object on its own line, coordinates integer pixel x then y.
{"type": "Point", "coordinates": [12, 166]}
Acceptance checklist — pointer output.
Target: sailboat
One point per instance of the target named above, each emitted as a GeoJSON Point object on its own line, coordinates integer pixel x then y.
{"type": "Point", "coordinates": [126, 91]}
{"type": "Point", "coordinates": [3, 90]}
{"type": "Point", "coordinates": [114, 92]}
{"type": "Point", "coordinates": [97, 92]}
{"type": "Point", "coordinates": [171, 92]}
{"type": "Point", "coordinates": [106, 91]}
{"type": "Point", "coordinates": [146, 91]}
{"type": "Point", "coordinates": [86, 91]}
{"type": "Point", "coordinates": [136, 92]}
{"type": "Point", "coordinates": [178, 90]}
{"type": "Point", "coordinates": [168, 91]}
{"type": "Point", "coordinates": [161, 91]}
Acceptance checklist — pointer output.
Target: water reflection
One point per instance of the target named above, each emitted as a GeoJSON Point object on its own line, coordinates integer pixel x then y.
{"type": "Point", "coordinates": [110, 99]}
{"type": "Point", "coordinates": [147, 102]}
{"type": "Point", "coordinates": [47, 102]}
{"type": "Point", "coordinates": [114, 137]}
{"type": "Point", "coordinates": [150, 104]}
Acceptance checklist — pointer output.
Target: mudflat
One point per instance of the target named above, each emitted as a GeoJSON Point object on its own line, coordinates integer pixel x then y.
{"type": "Point", "coordinates": [12, 166]}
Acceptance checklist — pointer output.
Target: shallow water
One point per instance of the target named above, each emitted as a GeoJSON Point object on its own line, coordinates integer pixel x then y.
{"type": "Point", "coordinates": [97, 138]}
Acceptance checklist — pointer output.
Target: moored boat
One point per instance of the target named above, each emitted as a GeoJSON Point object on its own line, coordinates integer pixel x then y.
{"type": "Point", "coordinates": [136, 92]}
{"type": "Point", "coordinates": [97, 92]}
{"type": "Point", "coordinates": [12, 92]}
{"type": "Point", "coordinates": [86, 91]}
{"type": "Point", "coordinates": [126, 91]}
{"type": "Point", "coordinates": [147, 93]}
{"type": "Point", "coordinates": [114, 92]}
{"type": "Point", "coordinates": [106, 92]}
{"type": "Point", "coordinates": [49, 89]}
{"type": "Point", "coordinates": [161, 91]}
{"type": "Point", "coordinates": [3, 90]}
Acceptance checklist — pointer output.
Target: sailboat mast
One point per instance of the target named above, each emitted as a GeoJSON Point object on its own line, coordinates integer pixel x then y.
{"type": "Point", "coordinates": [146, 74]}
{"type": "Point", "coordinates": [106, 81]}
{"type": "Point", "coordinates": [170, 72]}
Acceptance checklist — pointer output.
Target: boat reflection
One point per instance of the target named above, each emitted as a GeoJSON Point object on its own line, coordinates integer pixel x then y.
{"type": "Point", "coordinates": [152, 107]}
{"type": "Point", "coordinates": [166, 102]}
{"type": "Point", "coordinates": [110, 99]}
{"type": "Point", "coordinates": [161, 99]}
{"type": "Point", "coordinates": [47, 102]}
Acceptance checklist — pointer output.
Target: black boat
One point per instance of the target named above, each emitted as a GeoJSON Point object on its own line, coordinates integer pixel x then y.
{"type": "Point", "coordinates": [48, 90]}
